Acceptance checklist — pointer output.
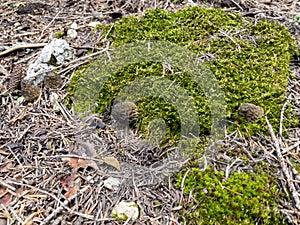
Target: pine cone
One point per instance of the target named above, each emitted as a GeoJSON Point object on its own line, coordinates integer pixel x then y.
{"type": "Point", "coordinates": [29, 90]}
{"type": "Point", "coordinates": [15, 77]}
{"type": "Point", "coordinates": [52, 80]}
{"type": "Point", "coordinates": [125, 113]}
{"type": "Point", "coordinates": [251, 112]}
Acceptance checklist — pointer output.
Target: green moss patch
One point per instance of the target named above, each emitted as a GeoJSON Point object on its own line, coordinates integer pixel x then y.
{"type": "Point", "coordinates": [242, 198]}
{"type": "Point", "coordinates": [251, 62]}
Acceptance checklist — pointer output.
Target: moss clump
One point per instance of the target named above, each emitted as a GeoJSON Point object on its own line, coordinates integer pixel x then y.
{"type": "Point", "coordinates": [252, 69]}
{"type": "Point", "coordinates": [249, 70]}
{"type": "Point", "coordinates": [296, 164]}
{"type": "Point", "coordinates": [60, 34]}
{"type": "Point", "coordinates": [243, 198]}
{"type": "Point", "coordinates": [251, 62]}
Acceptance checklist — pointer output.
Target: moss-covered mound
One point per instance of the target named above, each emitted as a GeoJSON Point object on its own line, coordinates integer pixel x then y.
{"type": "Point", "coordinates": [251, 62]}
{"type": "Point", "coordinates": [243, 198]}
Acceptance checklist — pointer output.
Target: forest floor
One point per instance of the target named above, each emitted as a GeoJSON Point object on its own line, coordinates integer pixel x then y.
{"type": "Point", "coordinates": [41, 182]}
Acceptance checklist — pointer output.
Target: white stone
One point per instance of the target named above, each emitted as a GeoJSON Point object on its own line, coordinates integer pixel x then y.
{"type": "Point", "coordinates": [125, 210]}
{"type": "Point", "coordinates": [53, 98]}
{"type": "Point", "coordinates": [112, 183]}
{"type": "Point", "coordinates": [71, 33]}
{"type": "Point", "coordinates": [74, 26]}
{"type": "Point", "coordinates": [90, 179]}
{"type": "Point", "coordinates": [17, 24]}
{"type": "Point", "coordinates": [94, 24]}
{"type": "Point", "coordinates": [19, 101]}
{"type": "Point", "coordinates": [191, 3]}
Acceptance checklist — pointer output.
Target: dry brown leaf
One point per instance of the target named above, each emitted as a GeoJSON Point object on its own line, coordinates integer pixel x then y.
{"type": "Point", "coordinates": [70, 185]}
{"type": "Point", "coordinates": [73, 162]}
{"type": "Point", "coordinates": [71, 192]}
{"type": "Point", "coordinates": [112, 161]}
{"type": "Point", "coordinates": [68, 182]}
{"type": "Point", "coordinates": [77, 163]}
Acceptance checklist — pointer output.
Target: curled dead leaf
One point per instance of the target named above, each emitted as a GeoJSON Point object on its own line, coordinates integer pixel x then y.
{"type": "Point", "coordinates": [70, 184]}
{"type": "Point", "coordinates": [77, 163]}
{"type": "Point", "coordinates": [112, 161]}
{"type": "Point", "coordinates": [71, 192]}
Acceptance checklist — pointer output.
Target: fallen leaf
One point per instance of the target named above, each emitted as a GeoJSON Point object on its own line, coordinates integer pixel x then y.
{"type": "Point", "coordinates": [73, 162]}
{"type": "Point", "coordinates": [70, 185]}
{"type": "Point", "coordinates": [85, 163]}
{"type": "Point", "coordinates": [77, 163]}
{"type": "Point", "coordinates": [71, 192]}
{"type": "Point", "coordinates": [112, 161]}
{"type": "Point", "coordinates": [68, 182]}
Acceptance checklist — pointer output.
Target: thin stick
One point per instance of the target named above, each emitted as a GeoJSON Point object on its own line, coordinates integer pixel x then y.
{"type": "Point", "coordinates": [291, 147]}
{"type": "Point", "coordinates": [281, 119]}
{"type": "Point", "coordinates": [283, 165]}
{"type": "Point", "coordinates": [60, 208]}
{"type": "Point", "coordinates": [37, 45]}
{"type": "Point", "coordinates": [48, 25]}
{"type": "Point", "coordinates": [13, 212]}
{"type": "Point", "coordinates": [63, 205]}
{"type": "Point", "coordinates": [17, 159]}
{"type": "Point", "coordinates": [80, 59]}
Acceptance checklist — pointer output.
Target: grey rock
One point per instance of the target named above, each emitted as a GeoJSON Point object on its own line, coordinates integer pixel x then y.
{"type": "Point", "coordinates": [57, 52]}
